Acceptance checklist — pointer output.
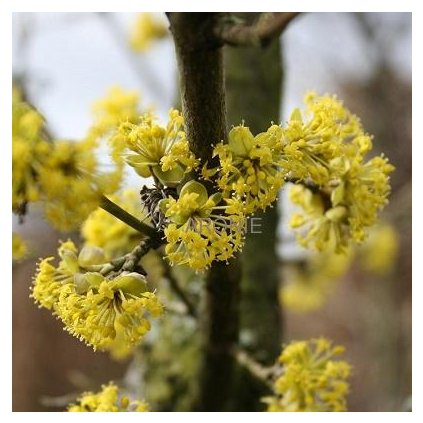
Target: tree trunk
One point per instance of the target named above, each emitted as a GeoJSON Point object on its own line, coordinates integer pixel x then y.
{"type": "Point", "coordinates": [253, 88]}
{"type": "Point", "coordinates": [200, 63]}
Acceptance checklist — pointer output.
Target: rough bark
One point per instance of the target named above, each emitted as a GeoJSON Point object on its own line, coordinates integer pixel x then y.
{"type": "Point", "coordinates": [200, 67]}
{"type": "Point", "coordinates": [200, 63]}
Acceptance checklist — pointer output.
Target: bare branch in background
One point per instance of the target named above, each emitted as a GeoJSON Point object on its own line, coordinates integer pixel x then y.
{"type": "Point", "coordinates": [262, 32]}
{"type": "Point", "coordinates": [262, 373]}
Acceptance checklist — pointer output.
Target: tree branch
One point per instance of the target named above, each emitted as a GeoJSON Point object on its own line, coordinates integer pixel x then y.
{"type": "Point", "coordinates": [254, 76]}
{"type": "Point", "coordinates": [200, 63]}
{"type": "Point", "coordinates": [260, 33]}
{"type": "Point", "coordinates": [260, 372]}
{"type": "Point", "coordinates": [121, 214]}
{"type": "Point", "coordinates": [201, 78]}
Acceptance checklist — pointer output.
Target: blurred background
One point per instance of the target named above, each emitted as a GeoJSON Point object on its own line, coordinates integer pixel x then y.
{"type": "Point", "coordinates": [63, 62]}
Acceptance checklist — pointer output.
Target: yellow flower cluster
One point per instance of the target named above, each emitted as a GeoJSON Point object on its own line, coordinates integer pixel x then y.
{"type": "Point", "coordinates": [330, 131]}
{"type": "Point", "coordinates": [71, 183]}
{"type": "Point", "coordinates": [118, 105]}
{"type": "Point", "coordinates": [107, 400]}
{"type": "Point", "coordinates": [200, 230]}
{"type": "Point", "coordinates": [105, 309]}
{"type": "Point", "coordinates": [145, 31]}
{"type": "Point", "coordinates": [342, 193]}
{"type": "Point", "coordinates": [157, 151]}
{"type": "Point", "coordinates": [311, 379]}
{"type": "Point", "coordinates": [29, 148]}
{"type": "Point", "coordinates": [249, 167]}
{"type": "Point", "coordinates": [379, 253]}
{"type": "Point", "coordinates": [310, 283]}
{"type": "Point", "coordinates": [115, 237]}
{"type": "Point", "coordinates": [64, 175]}
{"type": "Point", "coordinates": [19, 247]}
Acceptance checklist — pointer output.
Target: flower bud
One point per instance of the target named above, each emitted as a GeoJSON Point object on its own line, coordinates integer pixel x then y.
{"type": "Point", "coordinates": [130, 283]}
{"type": "Point", "coordinates": [71, 260]}
{"type": "Point", "coordinates": [197, 188]}
{"type": "Point", "coordinates": [336, 214]}
{"type": "Point", "coordinates": [241, 140]}
{"type": "Point", "coordinates": [91, 255]}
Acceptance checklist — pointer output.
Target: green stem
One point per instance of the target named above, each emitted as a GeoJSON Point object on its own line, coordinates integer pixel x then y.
{"type": "Point", "coordinates": [121, 214]}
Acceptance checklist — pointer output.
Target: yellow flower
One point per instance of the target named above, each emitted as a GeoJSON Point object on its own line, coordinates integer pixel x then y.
{"type": "Point", "coordinates": [248, 167]}
{"type": "Point", "coordinates": [117, 106]}
{"type": "Point", "coordinates": [327, 155]}
{"type": "Point", "coordinates": [29, 148]}
{"type": "Point", "coordinates": [379, 252]}
{"type": "Point", "coordinates": [115, 237]}
{"type": "Point", "coordinates": [323, 229]}
{"type": "Point", "coordinates": [99, 306]}
{"type": "Point", "coordinates": [72, 184]}
{"type": "Point", "coordinates": [50, 279]}
{"type": "Point", "coordinates": [309, 284]}
{"type": "Point", "coordinates": [311, 379]}
{"type": "Point", "coordinates": [198, 232]}
{"type": "Point", "coordinates": [64, 175]}
{"type": "Point", "coordinates": [345, 207]}
{"type": "Point", "coordinates": [365, 192]}
{"type": "Point", "coordinates": [107, 400]}
{"type": "Point", "coordinates": [111, 311]}
{"type": "Point", "coordinates": [145, 31]}
{"type": "Point", "coordinates": [331, 131]}
{"type": "Point", "coordinates": [162, 152]}
{"type": "Point", "coordinates": [19, 247]}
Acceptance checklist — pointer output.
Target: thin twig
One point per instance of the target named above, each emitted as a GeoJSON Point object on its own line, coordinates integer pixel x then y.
{"type": "Point", "coordinates": [121, 214]}
{"type": "Point", "coordinates": [179, 292]}
{"type": "Point", "coordinates": [135, 255]}
{"type": "Point", "coordinates": [59, 401]}
{"type": "Point", "coordinates": [260, 33]}
{"type": "Point", "coordinates": [260, 372]}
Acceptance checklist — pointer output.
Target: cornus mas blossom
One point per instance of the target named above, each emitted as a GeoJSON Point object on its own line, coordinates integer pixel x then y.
{"type": "Point", "coordinates": [71, 173]}
{"type": "Point", "coordinates": [249, 168]}
{"type": "Point", "coordinates": [311, 281]}
{"type": "Point", "coordinates": [116, 106]}
{"type": "Point", "coordinates": [115, 237]}
{"type": "Point", "coordinates": [342, 193]}
{"type": "Point", "coordinates": [158, 151]}
{"type": "Point", "coordinates": [97, 304]}
{"type": "Point", "coordinates": [200, 229]}
{"type": "Point", "coordinates": [146, 30]}
{"type": "Point", "coordinates": [107, 400]}
{"type": "Point", "coordinates": [19, 247]}
{"type": "Point", "coordinates": [324, 153]}
{"type": "Point", "coordinates": [28, 150]}
{"type": "Point", "coordinates": [106, 301]}
{"type": "Point", "coordinates": [58, 173]}
{"type": "Point", "coordinates": [312, 379]}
